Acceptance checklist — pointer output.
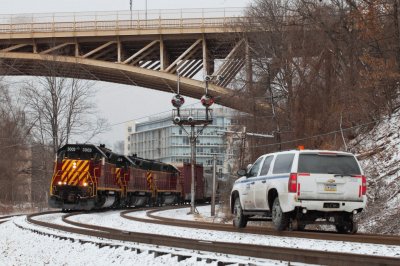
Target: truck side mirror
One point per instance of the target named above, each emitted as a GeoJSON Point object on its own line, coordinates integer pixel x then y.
{"type": "Point", "coordinates": [241, 172]}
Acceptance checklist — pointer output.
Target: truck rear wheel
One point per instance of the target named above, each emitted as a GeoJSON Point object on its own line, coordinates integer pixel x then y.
{"type": "Point", "coordinates": [350, 227]}
{"type": "Point", "coordinates": [239, 220]}
{"type": "Point", "coordinates": [279, 219]}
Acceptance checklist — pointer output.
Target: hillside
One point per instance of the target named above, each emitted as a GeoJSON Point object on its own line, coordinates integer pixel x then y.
{"type": "Point", "coordinates": [380, 158]}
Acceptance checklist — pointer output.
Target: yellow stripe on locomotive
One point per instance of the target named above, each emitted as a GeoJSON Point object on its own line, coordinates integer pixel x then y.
{"type": "Point", "coordinates": [75, 172]}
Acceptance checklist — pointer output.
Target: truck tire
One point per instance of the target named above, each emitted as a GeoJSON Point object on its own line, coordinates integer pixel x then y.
{"type": "Point", "coordinates": [279, 219]}
{"type": "Point", "coordinates": [239, 220]}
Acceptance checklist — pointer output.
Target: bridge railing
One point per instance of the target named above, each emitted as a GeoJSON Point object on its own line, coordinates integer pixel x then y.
{"type": "Point", "coordinates": [111, 20]}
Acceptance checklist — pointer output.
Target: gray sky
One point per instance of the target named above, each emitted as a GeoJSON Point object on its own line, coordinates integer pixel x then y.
{"type": "Point", "coordinates": [119, 103]}
{"type": "Point", "coordinates": [43, 6]}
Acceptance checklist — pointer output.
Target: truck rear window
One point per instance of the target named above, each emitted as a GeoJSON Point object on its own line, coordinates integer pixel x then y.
{"type": "Point", "coordinates": [328, 164]}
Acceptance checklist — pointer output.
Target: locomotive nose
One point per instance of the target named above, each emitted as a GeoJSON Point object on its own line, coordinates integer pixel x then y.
{"type": "Point", "coordinates": [71, 197]}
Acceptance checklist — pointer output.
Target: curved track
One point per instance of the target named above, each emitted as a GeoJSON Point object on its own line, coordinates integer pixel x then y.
{"type": "Point", "coordinates": [265, 252]}
{"type": "Point", "coordinates": [360, 238]}
{"type": "Point", "coordinates": [4, 219]}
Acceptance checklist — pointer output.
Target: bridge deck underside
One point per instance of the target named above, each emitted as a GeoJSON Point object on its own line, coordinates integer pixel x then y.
{"type": "Point", "coordinates": [149, 57]}
{"type": "Point", "coordinates": [109, 72]}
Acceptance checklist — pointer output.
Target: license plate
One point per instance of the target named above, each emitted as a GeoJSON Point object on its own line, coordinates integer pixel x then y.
{"type": "Point", "coordinates": [330, 187]}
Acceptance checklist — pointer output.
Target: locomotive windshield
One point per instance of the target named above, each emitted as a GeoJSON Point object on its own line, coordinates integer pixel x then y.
{"type": "Point", "coordinates": [80, 152]}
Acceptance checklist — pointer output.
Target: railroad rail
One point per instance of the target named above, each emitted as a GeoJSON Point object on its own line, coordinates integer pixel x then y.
{"type": "Point", "coordinates": [249, 250]}
{"type": "Point", "coordinates": [4, 219]}
{"type": "Point", "coordinates": [310, 234]}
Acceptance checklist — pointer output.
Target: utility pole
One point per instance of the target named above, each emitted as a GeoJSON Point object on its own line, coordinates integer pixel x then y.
{"type": "Point", "coordinates": [146, 10]}
{"type": "Point", "coordinates": [213, 185]}
{"type": "Point", "coordinates": [193, 165]}
{"type": "Point", "coordinates": [242, 148]}
{"type": "Point", "coordinates": [130, 7]}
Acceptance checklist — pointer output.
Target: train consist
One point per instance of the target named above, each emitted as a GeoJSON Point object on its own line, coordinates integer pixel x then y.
{"type": "Point", "coordinates": [89, 177]}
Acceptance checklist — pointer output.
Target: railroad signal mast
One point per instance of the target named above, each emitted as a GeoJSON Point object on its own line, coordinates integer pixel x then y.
{"type": "Point", "coordinates": [192, 118]}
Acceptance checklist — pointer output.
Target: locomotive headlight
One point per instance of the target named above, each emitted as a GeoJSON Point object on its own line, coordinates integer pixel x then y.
{"type": "Point", "coordinates": [59, 183]}
{"type": "Point", "coordinates": [65, 183]}
{"type": "Point", "coordinates": [85, 184]}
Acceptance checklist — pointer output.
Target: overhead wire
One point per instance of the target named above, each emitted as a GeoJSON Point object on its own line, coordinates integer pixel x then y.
{"type": "Point", "coordinates": [327, 133]}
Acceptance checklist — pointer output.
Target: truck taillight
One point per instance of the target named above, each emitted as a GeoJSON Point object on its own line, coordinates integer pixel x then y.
{"type": "Point", "coordinates": [363, 185]}
{"type": "Point", "coordinates": [363, 188]}
{"type": "Point", "coordinates": [292, 185]}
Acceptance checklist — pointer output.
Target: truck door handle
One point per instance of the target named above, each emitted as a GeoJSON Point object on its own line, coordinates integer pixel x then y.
{"type": "Point", "coordinates": [264, 181]}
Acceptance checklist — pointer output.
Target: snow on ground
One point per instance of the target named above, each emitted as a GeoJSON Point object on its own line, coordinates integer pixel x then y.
{"type": "Point", "coordinates": [204, 215]}
{"type": "Point", "coordinates": [23, 247]}
{"type": "Point", "coordinates": [112, 219]}
{"type": "Point", "coordinates": [381, 163]}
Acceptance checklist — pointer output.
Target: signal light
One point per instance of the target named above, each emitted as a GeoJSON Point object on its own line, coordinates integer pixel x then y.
{"type": "Point", "coordinates": [292, 184]}
{"type": "Point", "coordinates": [300, 147]}
{"type": "Point", "coordinates": [207, 100]}
{"type": "Point", "coordinates": [177, 101]}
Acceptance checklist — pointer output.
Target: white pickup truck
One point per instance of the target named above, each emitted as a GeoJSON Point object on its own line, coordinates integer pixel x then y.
{"type": "Point", "coordinates": [298, 187]}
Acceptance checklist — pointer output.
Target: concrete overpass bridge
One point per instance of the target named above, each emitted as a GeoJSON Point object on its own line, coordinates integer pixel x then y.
{"type": "Point", "coordinates": [134, 48]}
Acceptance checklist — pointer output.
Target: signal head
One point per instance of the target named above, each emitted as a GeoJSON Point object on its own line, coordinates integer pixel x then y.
{"type": "Point", "coordinates": [177, 101]}
{"type": "Point", "coordinates": [177, 119]}
{"type": "Point", "coordinates": [207, 100]}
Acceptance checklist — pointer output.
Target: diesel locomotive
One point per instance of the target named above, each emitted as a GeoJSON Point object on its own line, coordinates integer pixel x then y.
{"type": "Point", "coordinates": [88, 177]}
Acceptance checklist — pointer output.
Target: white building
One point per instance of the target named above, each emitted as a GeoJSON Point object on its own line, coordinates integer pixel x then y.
{"type": "Point", "coordinates": [159, 139]}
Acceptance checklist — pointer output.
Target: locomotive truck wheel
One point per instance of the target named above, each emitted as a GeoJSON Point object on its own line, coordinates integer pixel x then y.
{"type": "Point", "coordinates": [279, 219]}
{"type": "Point", "coordinates": [239, 220]}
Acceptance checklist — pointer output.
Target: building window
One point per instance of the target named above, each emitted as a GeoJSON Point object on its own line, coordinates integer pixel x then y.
{"type": "Point", "coordinates": [129, 129]}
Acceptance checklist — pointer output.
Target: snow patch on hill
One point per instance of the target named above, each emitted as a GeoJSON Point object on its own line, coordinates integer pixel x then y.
{"type": "Point", "coordinates": [379, 155]}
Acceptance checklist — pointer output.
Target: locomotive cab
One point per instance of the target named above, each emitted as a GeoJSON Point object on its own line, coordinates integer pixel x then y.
{"type": "Point", "coordinates": [75, 179]}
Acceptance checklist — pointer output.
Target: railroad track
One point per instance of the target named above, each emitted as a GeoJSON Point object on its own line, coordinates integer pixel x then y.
{"type": "Point", "coordinates": [360, 238]}
{"type": "Point", "coordinates": [248, 250]}
{"type": "Point", "coordinates": [4, 219]}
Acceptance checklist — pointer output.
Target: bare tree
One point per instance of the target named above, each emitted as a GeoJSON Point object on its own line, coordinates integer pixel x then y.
{"type": "Point", "coordinates": [321, 66]}
{"type": "Point", "coordinates": [61, 109]}
{"type": "Point", "coordinates": [14, 151]}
